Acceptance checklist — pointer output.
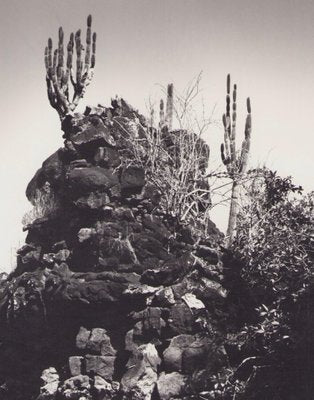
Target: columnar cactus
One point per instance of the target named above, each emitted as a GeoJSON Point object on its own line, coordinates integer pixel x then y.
{"type": "Point", "coordinates": [60, 73]}
{"type": "Point", "coordinates": [165, 119]}
{"type": "Point", "coordinates": [235, 162]}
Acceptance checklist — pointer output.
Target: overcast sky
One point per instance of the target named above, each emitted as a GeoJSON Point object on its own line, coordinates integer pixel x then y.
{"type": "Point", "coordinates": [266, 45]}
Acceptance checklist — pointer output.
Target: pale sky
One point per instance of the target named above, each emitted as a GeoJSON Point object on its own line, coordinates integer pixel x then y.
{"type": "Point", "coordinates": [266, 45]}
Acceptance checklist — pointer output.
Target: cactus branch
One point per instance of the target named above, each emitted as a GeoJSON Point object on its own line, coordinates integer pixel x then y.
{"type": "Point", "coordinates": [59, 73]}
{"type": "Point", "coordinates": [169, 106]}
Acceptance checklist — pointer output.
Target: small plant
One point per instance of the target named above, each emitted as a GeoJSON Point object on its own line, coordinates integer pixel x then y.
{"type": "Point", "coordinates": [60, 72]}
{"type": "Point", "coordinates": [45, 203]}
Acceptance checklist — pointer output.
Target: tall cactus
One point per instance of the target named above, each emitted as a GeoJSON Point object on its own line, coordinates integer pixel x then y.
{"type": "Point", "coordinates": [60, 71]}
{"type": "Point", "coordinates": [235, 162]}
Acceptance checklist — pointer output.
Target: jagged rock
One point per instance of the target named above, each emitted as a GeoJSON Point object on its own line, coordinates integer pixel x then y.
{"type": "Point", "coordinates": [139, 290]}
{"type": "Point", "coordinates": [51, 171]}
{"type": "Point", "coordinates": [209, 254]}
{"type": "Point", "coordinates": [140, 379]}
{"type": "Point", "coordinates": [26, 249]}
{"type": "Point", "coordinates": [133, 178]}
{"type": "Point", "coordinates": [93, 132]}
{"type": "Point", "coordinates": [82, 338]}
{"type": "Point", "coordinates": [100, 365]}
{"type": "Point", "coordinates": [173, 354]}
{"type": "Point", "coordinates": [193, 302]}
{"type": "Point", "coordinates": [75, 365]}
{"type": "Point", "coordinates": [49, 389]}
{"type": "Point", "coordinates": [59, 246]}
{"type": "Point", "coordinates": [181, 319]}
{"type": "Point", "coordinates": [107, 157]}
{"type": "Point", "coordinates": [155, 225]}
{"type": "Point", "coordinates": [91, 110]}
{"type": "Point", "coordinates": [77, 388]}
{"type": "Point", "coordinates": [122, 249]}
{"type": "Point", "coordinates": [170, 272]}
{"type": "Point", "coordinates": [171, 385]}
{"type": "Point", "coordinates": [85, 234]}
{"type": "Point", "coordinates": [105, 390]}
{"type": "Point", "coordinates": [93, 201]}
{"type": "Point", "coordinates": [165, 297]}
{"type": "Point", "coordinates": [147, 246]}
{"type": "Point", "coordinates": [99, 342]}
{"type": "Point", "coordinates": [82, 181]}
{"type": "Point", "coordinates": [62, 255]}
{"type": "Point", "coordinates": [79, 163]}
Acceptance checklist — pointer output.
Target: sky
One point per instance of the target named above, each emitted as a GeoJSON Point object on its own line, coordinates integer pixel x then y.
{"type": "Point", "coordinates": [266, 45]}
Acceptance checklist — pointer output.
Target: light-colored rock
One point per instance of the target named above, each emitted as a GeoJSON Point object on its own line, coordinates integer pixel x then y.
{"type": "Point", "coordinates": [165, 297]}
{"type": "Point", "coordinates": [100, 343]}
{"type": "Point", "coordinates": [193, 302]}
{"type": "Point", "coordinates": [82, 338]}
{"type": "Point", "coordinates": [85, 234]}
{"type": "Point", "coordinates": [77, 387]}
{"type": "Point", "coordinates": [75, 365]}
{"type": "Point", "coordinates": [173, 354]}
{"type": "Point", "coordinates": [171, 385]}
{"type": "Point", "coordinates": [104, 389]}
{"type": "Point", "coordinates": [50, 379]}
{"type": "Point", "coordinates": [100, 365]}
{"type": "Point", "coordinates": [140, 379]}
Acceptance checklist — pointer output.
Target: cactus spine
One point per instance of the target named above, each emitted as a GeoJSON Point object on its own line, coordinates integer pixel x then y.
{"type": "Point", "coordinates": [59, 74]}
{"type": "Point", "coordinates": [235, 162]}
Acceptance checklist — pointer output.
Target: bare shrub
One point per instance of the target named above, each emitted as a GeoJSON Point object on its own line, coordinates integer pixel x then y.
{"type": "Point", "coordinates": [175, 161]}
{"type": "Point", "coordinates": [45, 203]}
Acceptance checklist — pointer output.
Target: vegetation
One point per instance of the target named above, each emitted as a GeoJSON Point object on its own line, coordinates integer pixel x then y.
{"type": "Point", "coordinates": [175, 160]}
{"type": "Point", "coordinates": [274, 242]}
{"type": "Point", "coordinates": [45, 203]}
{"type": "Point", "coordinates": [60, 72]}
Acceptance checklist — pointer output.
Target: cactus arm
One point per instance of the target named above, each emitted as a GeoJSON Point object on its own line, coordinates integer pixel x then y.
{"type": "Point", "coordinates": [78, 48]}
{"type": "Point", "coordinates": [226, 153]}
{"type": "Point", "coordinates": [60, 58]}
{"type": "Point", "coordinates": [93, 58]}
{"type": "Point", "coordinates": [234, 123]}
{"type": "Point", "coordinates": [69, 62]}
{"type": "Point", "coordinates": [49, 57]}
{"type": "Point", "coordinates": [247, 140]}
{"type": "Point", "coordinates": [46, 59]}
{"type": "Point", "coordinates": [161, 114]}
{"type": "Point", "coordinates": [88, 44]}
{"type": "Point", "coordinates": [169, 106]}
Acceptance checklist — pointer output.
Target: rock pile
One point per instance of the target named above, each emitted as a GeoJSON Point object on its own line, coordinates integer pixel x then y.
{"type": "Point", "coordinates": [112, 298]}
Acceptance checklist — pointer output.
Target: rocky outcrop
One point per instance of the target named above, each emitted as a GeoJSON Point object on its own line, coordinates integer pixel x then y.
{"type": "Point", "coordinates": [112, 297]}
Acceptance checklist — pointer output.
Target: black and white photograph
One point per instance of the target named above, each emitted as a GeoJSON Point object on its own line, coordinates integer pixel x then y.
{"type": "Point", "coordinates": [157, 200]}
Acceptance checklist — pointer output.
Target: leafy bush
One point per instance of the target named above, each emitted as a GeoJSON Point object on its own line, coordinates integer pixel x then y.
{"type": "Point", "coordinates": [275, 235]}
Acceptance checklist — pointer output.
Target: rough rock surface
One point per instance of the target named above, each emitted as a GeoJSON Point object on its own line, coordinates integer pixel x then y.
{"type": "Point", "coordinates": [111, 298]}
